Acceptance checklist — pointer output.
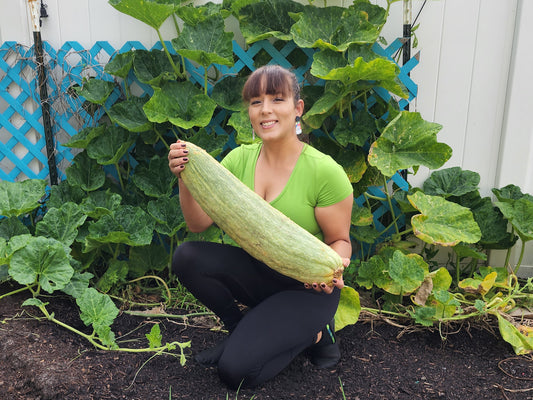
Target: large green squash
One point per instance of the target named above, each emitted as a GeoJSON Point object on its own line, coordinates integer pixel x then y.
{"type": "Point", "coordinates": [260, 229]}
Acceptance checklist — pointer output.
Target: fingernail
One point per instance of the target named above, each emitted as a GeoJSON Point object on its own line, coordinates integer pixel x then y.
{"type": "Point", "coordinates": [185, 151]}
{"type": "Point", "coordinates": [323, 285]}
{"type": "Point", "coordinates": [315, 285]}
{"type": "Point", "coordinates": [334, 281]}
{"type": "Point", "coordinates": [185, 159]}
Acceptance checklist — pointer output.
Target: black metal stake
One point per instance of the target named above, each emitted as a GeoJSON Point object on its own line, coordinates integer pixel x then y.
{"type": "Point", "coordinates": [43, 94]}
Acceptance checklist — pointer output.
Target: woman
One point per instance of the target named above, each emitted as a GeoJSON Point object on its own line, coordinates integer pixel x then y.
{"type": "Point", "coordinates": [284, 317]}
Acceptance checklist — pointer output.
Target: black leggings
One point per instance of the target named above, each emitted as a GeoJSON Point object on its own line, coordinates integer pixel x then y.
{"type": "Point", "coordinates": [283, 317]}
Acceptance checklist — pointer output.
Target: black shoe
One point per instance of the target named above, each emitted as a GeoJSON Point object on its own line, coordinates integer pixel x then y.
{"type": "Point", "coordinates": [209, 357]}
{"type": "Point", "coordinates": [326, 353]}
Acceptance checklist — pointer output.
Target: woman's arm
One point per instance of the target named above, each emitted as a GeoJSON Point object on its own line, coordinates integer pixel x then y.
{"type": "Point", "coordinates": [335, 221]}
{"type": "Point", "coordinates": [195, 218]}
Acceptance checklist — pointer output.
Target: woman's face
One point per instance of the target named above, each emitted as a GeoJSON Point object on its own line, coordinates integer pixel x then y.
{"type": "Point", "coordinates": [274, 116]}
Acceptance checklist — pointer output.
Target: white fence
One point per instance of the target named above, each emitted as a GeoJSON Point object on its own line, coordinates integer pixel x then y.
{"type": "Point", "coordinates": [473, 78]}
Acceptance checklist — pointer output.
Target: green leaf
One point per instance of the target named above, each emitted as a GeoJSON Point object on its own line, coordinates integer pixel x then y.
{"type": "Point", "coordinates": [129, 225]}
{"type": "Point", "coordinates": [408, 141]}
{"type": "Point", "coordinates": [61, 224]}
{"type": "Point", "coordinates": [33, 301]}
{"type": "Point", "coordinates": [154, 337]}
{"type": "Point", "coordinates": [361, 216]}
{"type": "Point", "coordinates": [210, 143]}
{"type": "Point", "coordinates": [3, 251]}
{"type": "Point", "coordinates": [332, 27]}
{"type": "Point", "coordinates": [227, 93]}
{"type": "Point", "coordinates": [180, 103]}
{"type": "Point", "coordinates": [78, 284]}
{"type": "Point", "coordinates": [100, 203]}
{"type": "Point", "coordinates": [96, 308]}
{"type": "Point", "coordinates": [143, 259]}
{"type": "Point", "coordinates": [167, 212]}
{"type": "Point", "coordinates": [267, 18]}
{"type": "Point", "coordinates": [241, 122]}
{"type": "Point", "coordinates": [18, 198]}
{"type": "Point", "coordinates": [44, 261]}
{"type": "Point", "coordinates": [464, 251]}
{"type": "Point", "coordinates": [211, 234]}
{"type": "Point", "coordinates": [109, 148]}
{"type": "Point", "coordinates": [151, 12]}
{"type": "Point", "coordinates": [206, 42]}
{"type": "Point", "coordinates": [95, 90]}
{"type": "Point", "coordinates": [407, 271]}
{"type": "Point", "coordinates": [64, 192]}
{"type": "Point", "coordinates": [330, 65]}
{"type": "Point", "coordinates": [156, 180]}
{"type": "Point", "coordinates": [451, 182]}
{"type": "Point", "coordinates": [130, 115]}
{"type": "Point", "coordinates": [442, 222]}
{"type": "Point", "coordinates": [493, 225]}
{"type": "Point", "coordinates": [82, 139]}
{"type": "Point", "coordinates": [521, 343]}
{"type": "Point", "coordinates": [12, 226]}
{"type": "Point", "coordinates": [120, 64]}
{"type": "Point", "coordinates": [85, 173]}
{"type": "Point", "coordinates": [348, 309]}
{"type": "Point", "coordinates": [509, 193]}
{"type": "Point", "coordinates": [115, 274]}
{"type": "Point", "coordinates": [520, 215]}
{"type": "Point", "coordinates": [153, 67]}
{"type": "Point", "coordinates": [357, 132]}
{"type": "Point", "coordinates": [373, 272]}
{"type": "Point", "coordinates": [424, 316]}
{"type": "Point", "coordinates": [194, 14]}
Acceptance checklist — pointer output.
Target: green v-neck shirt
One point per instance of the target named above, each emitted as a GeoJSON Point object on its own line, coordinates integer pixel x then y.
{"type": "Point", "coordinates": [316, 181]}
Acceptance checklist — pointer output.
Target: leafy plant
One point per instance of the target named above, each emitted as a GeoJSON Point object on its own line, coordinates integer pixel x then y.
{"type": "Point", "coordinates": [117, 217]}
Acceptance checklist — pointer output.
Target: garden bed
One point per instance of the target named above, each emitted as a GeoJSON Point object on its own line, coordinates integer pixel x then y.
{"type": "Point", "coordinates": [40, 360]}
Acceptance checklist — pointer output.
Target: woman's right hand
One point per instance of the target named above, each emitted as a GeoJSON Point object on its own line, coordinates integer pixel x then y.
{"type": "Point", "coordinates": [177, 157]}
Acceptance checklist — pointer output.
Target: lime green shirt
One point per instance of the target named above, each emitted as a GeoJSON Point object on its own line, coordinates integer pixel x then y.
{"type": "Point", "coordinates": [316, 181]}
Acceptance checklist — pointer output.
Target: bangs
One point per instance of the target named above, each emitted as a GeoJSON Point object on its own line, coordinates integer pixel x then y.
{"type": "Point", "coordinates": [271, 80]}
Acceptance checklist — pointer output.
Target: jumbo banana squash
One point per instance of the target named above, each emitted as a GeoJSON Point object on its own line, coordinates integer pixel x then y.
{"type": "Point", "coordinates": [260, 229]}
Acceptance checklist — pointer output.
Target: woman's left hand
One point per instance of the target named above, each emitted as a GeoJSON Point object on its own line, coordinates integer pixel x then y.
{"type": "Point", "coordinates": [324, 287]}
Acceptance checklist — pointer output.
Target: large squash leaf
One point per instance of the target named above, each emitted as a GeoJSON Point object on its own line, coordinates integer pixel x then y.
{"type": "Point", "coordinates": [62, 223]}
{"type": "Point", "coordinates": [109, 148]}
{"type": "Point", "coordinates": [151, 12]}
{"type": "Point", "coordinates": [18, 198]}
{"type": "Point", "coordinates": [334, 28]}
{"type": "Point", "coordinates": [442, 222]}
{"type": "Point", "coordinates": [408, 141]}
{"type": "Point", "coordinates": [348, 309]}
{"type": "Point", "coordinates": [129, 225]}
{"type": "Point", "coordinates": [180, 103]}
{"type": "Point", "coordinates": [95, 90]}
{"type": "Point", "coordinates": [206, 42]}
{"type": "Point", "coordinates": [153, 67]}
{"type": "Point", "coordinates": [42, 260]}
{"type": "Point", "coordinates": [408, 271]}
{"type": "Point", "coordinates": [269, 18]}
{"type": "Point", "coordinates": [156, 180]}
{"type": "Point", "coordinates": [520, 215]}
{"type": "Point", "coordinates": [130, 115]}
{"type": "Point", "coordinates": [120, 64]}
{"type": "Point", "coordinates": [451, 182]}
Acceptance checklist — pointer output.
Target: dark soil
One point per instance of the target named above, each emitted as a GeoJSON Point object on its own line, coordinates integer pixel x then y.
{"type": "Point", "coordinates": [41, 360]}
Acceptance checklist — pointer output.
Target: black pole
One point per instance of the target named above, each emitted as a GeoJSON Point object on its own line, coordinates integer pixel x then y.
{"type": "Point", "coordinates": [45, 105]}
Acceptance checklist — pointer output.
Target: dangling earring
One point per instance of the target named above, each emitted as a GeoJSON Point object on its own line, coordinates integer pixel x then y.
{"type": "Point", "coordinates": [298, 126]}
{"type": "Point", "coordinates": [253, 133]}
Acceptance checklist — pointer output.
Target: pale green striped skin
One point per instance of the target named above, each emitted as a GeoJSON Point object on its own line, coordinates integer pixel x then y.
{"type": "Point", "coordinates": [260, 229]}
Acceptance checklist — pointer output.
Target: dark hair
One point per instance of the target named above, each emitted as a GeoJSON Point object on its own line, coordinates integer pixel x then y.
{"type": "Point", "coordinates": [271, 79]}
